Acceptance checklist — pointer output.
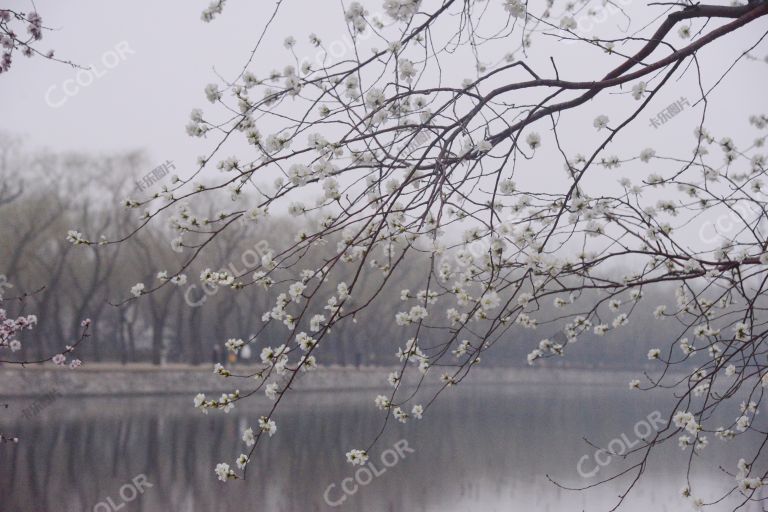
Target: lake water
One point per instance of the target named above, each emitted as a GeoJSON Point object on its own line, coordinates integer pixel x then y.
{"type": "Point", "coordinates": [479, 448]}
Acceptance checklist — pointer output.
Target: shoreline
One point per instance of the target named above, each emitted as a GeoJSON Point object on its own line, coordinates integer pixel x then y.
{"type": "Point", "coordinates": [145, 379]}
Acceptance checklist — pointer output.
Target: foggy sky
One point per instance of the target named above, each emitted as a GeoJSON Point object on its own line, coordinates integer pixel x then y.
{"type": "Point", "coordinates": [144, 101]}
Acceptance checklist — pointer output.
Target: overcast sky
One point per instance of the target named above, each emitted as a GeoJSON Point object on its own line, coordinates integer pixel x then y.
{"type": "Point", "coordinates": [169, 55]}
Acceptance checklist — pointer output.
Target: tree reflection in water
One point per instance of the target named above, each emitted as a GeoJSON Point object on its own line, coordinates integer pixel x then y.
{"type": "Point", "coordinates": [488, 451]}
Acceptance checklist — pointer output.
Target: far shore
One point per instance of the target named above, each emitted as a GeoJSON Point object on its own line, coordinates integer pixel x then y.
{"type": "Point", "coordinates": [113, 379]}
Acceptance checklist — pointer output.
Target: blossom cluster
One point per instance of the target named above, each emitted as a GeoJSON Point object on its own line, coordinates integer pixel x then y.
{"type": "Point", "coordinates": [11, 41]}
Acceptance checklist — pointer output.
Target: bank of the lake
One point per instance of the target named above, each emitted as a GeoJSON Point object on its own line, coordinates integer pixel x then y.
{"type": "Point", "coordinates": [107, 379]}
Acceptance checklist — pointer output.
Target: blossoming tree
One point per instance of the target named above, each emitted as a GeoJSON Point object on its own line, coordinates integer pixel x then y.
{"type": "Point", "coordinates": [12, 328]}
{"type": "Point", "coordinates": [393, 163]}
{"type": "Point", "coordinates": [27, 42]}
{"type": "Point", "coordinates": [14, 323]}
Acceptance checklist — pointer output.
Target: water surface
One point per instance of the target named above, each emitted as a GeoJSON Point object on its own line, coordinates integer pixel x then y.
{"type": "Point", "coordinates": [480, 448]}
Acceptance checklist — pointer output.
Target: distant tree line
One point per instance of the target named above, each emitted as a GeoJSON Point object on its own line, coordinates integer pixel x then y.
{"type": "Point", "coordinates": [190, 322]}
